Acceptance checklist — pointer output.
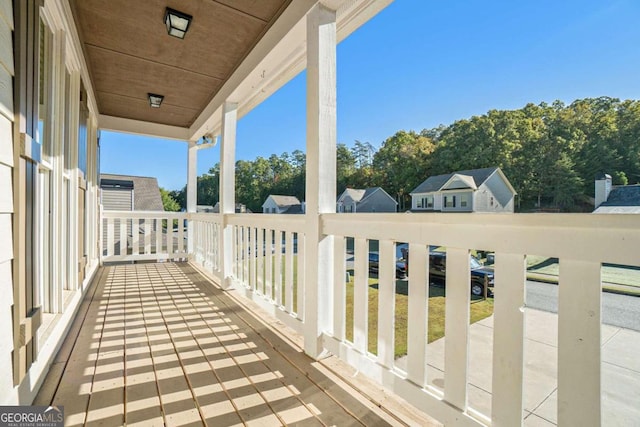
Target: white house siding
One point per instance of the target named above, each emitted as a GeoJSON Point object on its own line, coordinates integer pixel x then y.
{"type": "Point", "coordinates": [269, 206]}
{"type": "Point", "coordinates": [6, 197]}
{"type": "Point", "coordinates": [437, 201]}
{"type": "Point", "coordinates": [503, 198]}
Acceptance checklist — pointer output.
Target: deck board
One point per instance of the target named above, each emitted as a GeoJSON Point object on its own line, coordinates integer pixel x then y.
{"type": "Point", "coordinates": [158, 344]}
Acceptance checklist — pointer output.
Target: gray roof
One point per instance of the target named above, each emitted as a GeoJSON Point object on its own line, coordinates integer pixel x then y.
{"type": "Point", "coordinates": [285, 200]}
{"type": "Point", "coordinates": [294, 209]}
{"type": "Point", "coordinates": [146, 193]}
{"type": "Point", "coordinates": [435, 183]}
{"type": "Point", "coordinates": [354, 193]}
{"type": "Point", "coordinates": [624, 195]}
{"type": "Point", "coordinates": [359, 195]}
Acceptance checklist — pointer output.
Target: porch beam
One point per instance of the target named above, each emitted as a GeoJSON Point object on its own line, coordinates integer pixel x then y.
{"type": "Point", "coordinates": [321, 174]}
{"type": "Point", "coordinates": [227, 188]}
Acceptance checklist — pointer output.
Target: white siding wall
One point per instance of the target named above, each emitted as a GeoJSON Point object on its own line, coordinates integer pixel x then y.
{"type": "Point", "coordinates": [6, 197]}
{"type": "Point", "coordinates": [437, 201]}
{"type": "Point", "coordinates": [268, 205]}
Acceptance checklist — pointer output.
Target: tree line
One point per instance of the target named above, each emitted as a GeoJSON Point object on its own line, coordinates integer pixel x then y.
{"type": "Point", "coordinates": [550, 153]}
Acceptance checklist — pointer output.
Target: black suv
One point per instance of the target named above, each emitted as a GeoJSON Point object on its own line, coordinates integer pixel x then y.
{"type": "Point", "coordinates": [374, 260]}
{"type": "Point", "coordinates": [479, 273]}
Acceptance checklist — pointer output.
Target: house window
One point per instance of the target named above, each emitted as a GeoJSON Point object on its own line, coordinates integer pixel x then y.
{"type": "Point", "coordinates": [449, 201]}
{"type": "Point", "coordinates": [464, 200]}
{"type": "Point", "coordinates": [44, 96]}
{"type": "Point", "coordinates": [425, 202]}
{"type": "Point", "coordinates": [491, 201]}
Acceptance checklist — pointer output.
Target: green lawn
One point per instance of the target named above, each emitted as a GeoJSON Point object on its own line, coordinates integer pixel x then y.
{"type": "Point", "coordinates": [480, 309]}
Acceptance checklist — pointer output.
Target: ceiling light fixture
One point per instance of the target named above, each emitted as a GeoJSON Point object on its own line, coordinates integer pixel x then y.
{"type": "Point", "coordinates": [177, 23]}
{"type": "Point", "coordinates": [155, 100]}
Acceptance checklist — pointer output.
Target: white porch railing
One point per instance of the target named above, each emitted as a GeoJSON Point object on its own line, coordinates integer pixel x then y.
{"type": "Point", "coordinates": [268, 261]}
{"type": "Point", "coordinates": [142, 236]}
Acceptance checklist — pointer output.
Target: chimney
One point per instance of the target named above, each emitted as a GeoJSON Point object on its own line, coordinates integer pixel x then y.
{"type": "Point", "coordinates": [603, 188]}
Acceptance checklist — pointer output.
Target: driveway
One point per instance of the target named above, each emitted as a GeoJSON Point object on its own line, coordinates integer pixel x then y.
{"type": "Point", "coordinates": [620, 370]}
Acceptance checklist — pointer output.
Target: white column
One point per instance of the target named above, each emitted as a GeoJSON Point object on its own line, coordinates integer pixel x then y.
{"type": "Point", "coordinates": [321, 174]}
{"type": "Point", "coordinates": [192, 192]}
{"type": "Point", "coordinates": [227, 188]}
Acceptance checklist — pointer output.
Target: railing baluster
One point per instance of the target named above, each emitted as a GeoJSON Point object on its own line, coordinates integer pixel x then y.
{"type": "Point", "coordinates": [418, 301]}
{"type": "Point", "coordinates": [211, 246]}
{"type": "Point", "coordinates": [235, 244]}
{"type": "Point", "coordinates": [579, 343]}
{"type": "Point", "coordinates": [123, 237]}
{"type": "Point", "coordinates": [181, 237]}
{"type": "Point", "coordinates": [260, 250]}
{"type": "Point", "coordinates": [457, 327]}
{"type": "Point", "coordinates": [147, 236]}
{"type": "Point", "coordinates": [386, 302]}
{"type": "Point", "coordinates": [135, 236]}
{"type": "Point", "coordinates": [158, 227]}
{"type": "Point", "coordinates": [508, 340]}
{"type": "Point", "coordinates": [299, 284]}
{"type": "Point", "coordinates": [169, 238]}
{"type": "Point", "coordinates": [277, 273]}
{"type": "Point", "coordinates": [110, 237]}
{"type": "Point", "coordinates": [339, 293]}
{"type": "Point", "coordinates": [360, 295]}
{"type": "Point", "coordinates": [269, 267]}
{"type": "Point", "coordinates": [288, 297]}
{"type": "Point", "coordinates": [246, 256]}
{"type": "Point", "coordinates": [253, 284]}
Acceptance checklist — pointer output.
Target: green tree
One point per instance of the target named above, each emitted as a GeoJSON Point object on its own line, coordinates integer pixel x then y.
{"type": "Point", "coordinates": [168, 202]}
{"type": "Point", "coordinates": [402, 163]}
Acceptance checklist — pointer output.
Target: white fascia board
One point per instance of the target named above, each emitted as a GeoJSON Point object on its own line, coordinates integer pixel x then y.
{"type": "Point", "coordinates": [278, 57]}
{"type": "Point", "coordinates": [137, 127]}
{"type": "Point", "coordinates": [74, 47]}
{"type": "Point", "coordinates": [464, 178]}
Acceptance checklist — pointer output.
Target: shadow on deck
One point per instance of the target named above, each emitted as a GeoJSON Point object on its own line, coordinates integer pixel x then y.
{"type": "Point", "coordinates": [158, 344]}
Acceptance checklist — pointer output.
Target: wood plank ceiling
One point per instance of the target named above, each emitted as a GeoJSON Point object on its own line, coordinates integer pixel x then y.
{"type": "Point", "coordinates": [130, 54]}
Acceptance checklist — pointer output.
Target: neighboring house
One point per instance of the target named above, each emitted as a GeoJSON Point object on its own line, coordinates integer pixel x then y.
{"type": "Point", "coordinates": [130, 193]}
{"type": "Point", "coordinates": [373, 199]}
{"type": "Point", "coordinates": [477, 190]}
{"type": "Point", "coordinates": [621, 199]}
{"type": "Point", "coordinates": [205, 209]}
{"type": "Point", "coordinates": [276, 204]}
{"type": "Point", "coordinates": [240, 208]}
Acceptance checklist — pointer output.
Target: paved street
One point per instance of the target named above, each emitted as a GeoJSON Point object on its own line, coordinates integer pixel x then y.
{"type": "Point", "coordinates": [617, 310]}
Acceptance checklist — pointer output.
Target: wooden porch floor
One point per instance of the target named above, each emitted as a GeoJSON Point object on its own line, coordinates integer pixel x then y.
{"type": "Point", "coordinates": [158, 344]}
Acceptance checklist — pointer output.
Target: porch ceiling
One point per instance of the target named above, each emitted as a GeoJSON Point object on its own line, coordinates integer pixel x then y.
{"type": "Point", "coordinates": [130, 54]}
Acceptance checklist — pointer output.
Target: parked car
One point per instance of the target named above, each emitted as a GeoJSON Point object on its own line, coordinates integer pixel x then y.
{"type": "Point", "coordinates": [374, 260]}
{"type": "Point", "coordinates": [479, 273]}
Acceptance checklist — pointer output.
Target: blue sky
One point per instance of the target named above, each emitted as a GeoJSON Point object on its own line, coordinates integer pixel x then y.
{"type": "Point", "coordinates": [422, 63]}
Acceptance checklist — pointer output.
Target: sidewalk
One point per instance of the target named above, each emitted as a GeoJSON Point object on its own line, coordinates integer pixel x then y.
{"type": "Point", "coordinates": [620, 370]}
